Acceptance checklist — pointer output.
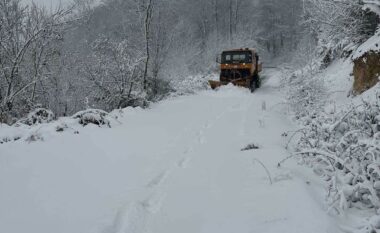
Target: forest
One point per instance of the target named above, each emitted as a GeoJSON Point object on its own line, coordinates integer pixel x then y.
{"type": "Point", "coordinates": [120, 53]}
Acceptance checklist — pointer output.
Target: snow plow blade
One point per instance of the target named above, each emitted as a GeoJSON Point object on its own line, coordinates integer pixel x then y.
{"type": "Point", "coordinates": [238, 82]}
{"type": "Point", "coordinates": [214, 84]}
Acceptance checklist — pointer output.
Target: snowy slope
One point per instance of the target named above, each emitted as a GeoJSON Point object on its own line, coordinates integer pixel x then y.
{"type": "Point", "coordinates": [176, 167]}
{"type": "Point", "coordinates": [338, 106]}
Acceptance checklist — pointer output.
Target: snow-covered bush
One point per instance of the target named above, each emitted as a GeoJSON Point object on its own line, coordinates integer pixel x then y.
{"type": "Point", "coordinates": [344, 149]}
{"type": "Point", "coordinates": [38, 116]}
{"type": "Point", "coordinates": [9, 139]}
{"type": "Point", "coordinates": [309, 93]}
{"type": "Point", "coordinates": [305, 89]}
{"type": "Point", "coordinates": [190, 84]}
{"type": "Point", "coordinates": [22, 132]}
{"type": "Point", "coordinates": [339, 26]}
{"type": "Point", "coordinates": [93, 116]}
{"type": "Point", "coordinates": [34, 137]}
{"type": "Point", "coordinates": [372, 226]}
{"type": "Point", "coordinates": [61, 127]}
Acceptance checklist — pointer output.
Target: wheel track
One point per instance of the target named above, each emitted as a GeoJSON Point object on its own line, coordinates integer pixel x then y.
{"type": "Point", "coordinates": [133, 218]}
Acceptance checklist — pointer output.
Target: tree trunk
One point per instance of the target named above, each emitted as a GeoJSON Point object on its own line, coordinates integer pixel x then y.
{"type": "Point", "coordinates": [230, 26]}
{"type": "Point", "coordinates": [216, 22]}
{"type": "Point", "coordinates": [236, 16]}
{"type": "Point", "coordinates": [148, 19]}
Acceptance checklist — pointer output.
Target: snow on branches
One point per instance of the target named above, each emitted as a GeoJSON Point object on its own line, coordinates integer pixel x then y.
{"type": "Point", "coordinates": [340, 26]}
{"type": "Point", "coordinates": [93, 116]}
{"type": "Point", "coordinates": [41, 124]}
{"type": "Point", "coordinates": [38, 116]}
{"type": "Point", "coordinates": [29, 37]}
{"type": "Point", "coordinates": [344, 149]}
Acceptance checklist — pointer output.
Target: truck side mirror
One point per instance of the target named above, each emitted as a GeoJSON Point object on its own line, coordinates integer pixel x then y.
{"type": "Point", "coordinates": [218, 59]}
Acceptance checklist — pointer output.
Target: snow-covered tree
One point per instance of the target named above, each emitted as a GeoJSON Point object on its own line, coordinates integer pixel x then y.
{"type": "Point", "coordinates": [339, 26]}
{"type": "Point", "coordinates": [28, 39]}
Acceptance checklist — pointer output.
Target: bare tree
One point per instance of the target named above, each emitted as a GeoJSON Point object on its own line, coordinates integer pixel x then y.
{"type": "Point", "coordinates": [148, 15]}
{"type": "Point", "coordinates": [113, 71]}
{"type": "Point", "coordinates": [26, 34]}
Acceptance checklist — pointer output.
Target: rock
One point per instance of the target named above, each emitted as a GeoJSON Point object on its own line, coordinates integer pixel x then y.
{"type": "Point", "coordinates": [366, 71]}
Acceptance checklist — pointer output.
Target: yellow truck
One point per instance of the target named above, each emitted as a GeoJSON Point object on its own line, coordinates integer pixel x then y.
{"type": "Point", "coordinates": [240, 67]}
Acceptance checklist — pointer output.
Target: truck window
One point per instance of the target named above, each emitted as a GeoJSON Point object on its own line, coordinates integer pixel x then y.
{"type": "Point", "coordinates": [237, 57]}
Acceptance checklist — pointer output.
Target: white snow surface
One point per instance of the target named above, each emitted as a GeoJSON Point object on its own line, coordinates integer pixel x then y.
{"type": "Point", "coordinates": [338, 80]}
{"type": "Point", "coordinates": [372, 44]}
{"type": "Point", "coordinates": [176, 167]}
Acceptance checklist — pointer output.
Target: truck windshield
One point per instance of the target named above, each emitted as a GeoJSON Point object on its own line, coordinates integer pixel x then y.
{"type": "Point", "coordinates": [237, 57]}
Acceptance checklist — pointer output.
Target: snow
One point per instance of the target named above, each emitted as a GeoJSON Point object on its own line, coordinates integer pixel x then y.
{"type": "Point", "coordinates": [176, 167]}
{"type": "Point", "coordinates": [372, 44]}
{"type": "Point", "coordinates": [329, 126]}
{"type": "Point", "coordinates": [372, 5]}
{"type": "Point", "coordinates": [92, 116]}
{"type": "Point", "coordinates": [38, 116]}
{"type": "Point", "coordinates": [190, 84]}
{"type": "Point", "coordinates": [38, 127]}
{"type": "Point", "coordinates": [338, 80]}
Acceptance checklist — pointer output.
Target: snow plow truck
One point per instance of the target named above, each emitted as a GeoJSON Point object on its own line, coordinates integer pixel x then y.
{"type": "Point", "coordinates": [240, 67]}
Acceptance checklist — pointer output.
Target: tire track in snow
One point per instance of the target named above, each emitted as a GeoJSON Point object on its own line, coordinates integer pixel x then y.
{"type": "Point", "coordinates": [200, 134]}
{"type": "Point", "coordinates": [182, 163]}
{"type": "Point", "coordinates": [210, 123]}
{"type": "Point", "coordinates": [134, 217]}
{"type": "Point", "coordinates": [154, 202]}
{"type": "Point", "coordinates": [130, 219]}
{"type": "Point", "coordinates": [243, 125]}
{"type": "Point", "coordinates": [157, 180]}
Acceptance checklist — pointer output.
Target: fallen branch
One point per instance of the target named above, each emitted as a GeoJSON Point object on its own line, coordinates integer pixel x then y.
{"type": "Point", "coordinates": [267, 171]}
{"type": "Point", "coordinates": [291, 137]}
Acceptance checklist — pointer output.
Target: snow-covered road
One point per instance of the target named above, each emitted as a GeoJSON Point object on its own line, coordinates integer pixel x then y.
{"type": "Point", "coordinates": [177, 167]}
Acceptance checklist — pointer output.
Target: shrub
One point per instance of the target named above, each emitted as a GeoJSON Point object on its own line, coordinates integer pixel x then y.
{"type": "Point", "coordinates": [38, 116]}
{"type": "Point", "coordinates": [92, 116]}
{"type": "Point", "coordinates": [344, 149]}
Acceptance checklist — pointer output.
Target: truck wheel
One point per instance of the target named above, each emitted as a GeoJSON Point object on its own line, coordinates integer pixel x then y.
{"type": "Point", "coordinates": [258, 81]}
{"type": "Point", "coordinates": [252, 85]}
